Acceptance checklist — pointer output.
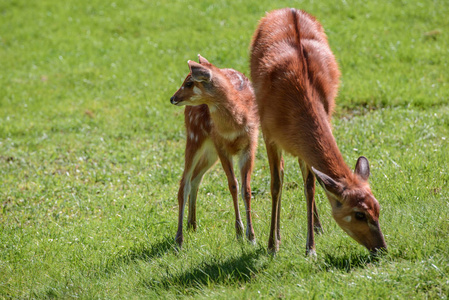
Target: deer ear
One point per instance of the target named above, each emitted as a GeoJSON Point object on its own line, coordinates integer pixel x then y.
{"type": "Point", "coordinates": [362, 168]}
{"type": "Point", "coordinates": [199, 72]}
{"type": "Point", "coordinates": [202, 60]}
{"type": "Point", "coordinates": [329, 184]}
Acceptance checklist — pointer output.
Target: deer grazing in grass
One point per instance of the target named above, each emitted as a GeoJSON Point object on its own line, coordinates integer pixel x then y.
{"type": "Point", "coordinates": [295, 78]}
{"type": "Point", "coordinates": [221, 122]}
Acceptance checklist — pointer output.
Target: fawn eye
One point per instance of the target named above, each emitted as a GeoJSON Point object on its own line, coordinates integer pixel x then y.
{"type": "Point", "coordinates": [360, 216]}
{"type": "Point", "coordinates": [189, 84]}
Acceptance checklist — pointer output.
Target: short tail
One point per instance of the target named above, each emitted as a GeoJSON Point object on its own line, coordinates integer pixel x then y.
{"type": "Point", "coordinates": [301, 52]}
{"type": "Point", "coordinates": [296, 26]}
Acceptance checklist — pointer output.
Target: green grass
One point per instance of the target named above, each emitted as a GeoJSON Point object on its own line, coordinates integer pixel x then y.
{"type": "Point", "coordinates": [91, 153]}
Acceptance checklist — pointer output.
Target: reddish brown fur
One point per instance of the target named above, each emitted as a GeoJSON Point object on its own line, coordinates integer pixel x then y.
{"type": "Point", "coordinates": [296, 77]}
{"type": "Point", "coordinates": [221, 122]}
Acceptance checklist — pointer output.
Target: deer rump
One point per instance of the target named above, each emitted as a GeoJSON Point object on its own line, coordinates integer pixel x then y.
{"type": "Point", "coordinates": [290, 54]}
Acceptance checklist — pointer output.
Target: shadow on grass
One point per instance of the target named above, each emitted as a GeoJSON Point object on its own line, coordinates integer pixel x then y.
{"type": "Point", "coordinates": [144, 252]}
{"type": "Point", "coordinates": [348, 262]}
{"type": "Point", "coordinates": [239, 269]}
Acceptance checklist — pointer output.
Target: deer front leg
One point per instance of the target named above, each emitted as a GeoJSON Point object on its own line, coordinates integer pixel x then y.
{"type": "Point", "coordinates": [246, 167]}
{"type": "Point", "coordinates": [226, 162]}
{"type": "Point", "coordinates": [309, 191]}
{"type": "Point", "coordinates": [316, 220]}
{"type": "Point", "coordinates": [277, 177]}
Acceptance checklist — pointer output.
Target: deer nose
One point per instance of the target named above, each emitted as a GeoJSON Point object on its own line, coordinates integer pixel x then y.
{"type": "Point", "coordinates": [172, 100]}
{"type": "Point", "coordinates": [378, 251]}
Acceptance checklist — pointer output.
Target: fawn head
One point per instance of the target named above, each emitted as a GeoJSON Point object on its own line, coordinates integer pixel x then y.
{"type": "Point", "coordinates": [354, 207]}
{"type": "Point", "coordinates": [198, 87]}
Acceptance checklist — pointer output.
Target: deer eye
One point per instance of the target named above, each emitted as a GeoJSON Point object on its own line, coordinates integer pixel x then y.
{"type": "Point", "coordinates": [189, 84]}
{"type": "Point", "coordinates": [360, 216]}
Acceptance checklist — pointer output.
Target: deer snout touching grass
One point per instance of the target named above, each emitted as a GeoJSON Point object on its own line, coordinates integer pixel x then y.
{"type": "Point", "coordinates": [221, 123]}
{"type": "Point", "coordinates": [296, 78]}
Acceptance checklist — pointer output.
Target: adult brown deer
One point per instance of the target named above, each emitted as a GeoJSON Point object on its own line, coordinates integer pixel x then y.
{"type": "Point", "coordinates": [296, 77]}
{"type": "Point", "coordinates": [221, 122]}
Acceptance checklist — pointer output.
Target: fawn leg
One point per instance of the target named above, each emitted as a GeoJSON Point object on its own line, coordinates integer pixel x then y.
{"type": "Point", "coordinates": [226, 162]}
{"type": "Point", "coordinates": [207, 160]}
{"type": "Point", "coordinates": [246, 166]}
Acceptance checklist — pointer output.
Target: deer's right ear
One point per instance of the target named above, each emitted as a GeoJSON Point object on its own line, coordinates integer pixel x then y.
{"type": "Point", "coordinates": [362, 168]}
{"type": "Point", "coordinates": [329, 184]}
{"type": "Point", "coordinates": [199, 72]}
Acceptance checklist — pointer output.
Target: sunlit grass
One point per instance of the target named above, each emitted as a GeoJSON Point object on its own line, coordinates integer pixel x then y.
{"type": "Point", "coordinates": [91, 153]}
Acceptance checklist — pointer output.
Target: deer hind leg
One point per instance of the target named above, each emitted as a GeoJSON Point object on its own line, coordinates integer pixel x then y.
{"type": "Point", "coordinates": [246, 164]}
{"type": "Point", "coordinates": [208, 159]}
{"type": "Point", "coordinates": [226, 162]}
{"type": "Point", "coordinates": [194, 151]}
{"type": "Point", "coordinates": [312, 214]}
{"type": "Point", "coordinates": [277, 177]}
{"type": "Point", "coordinates": [184, 190]}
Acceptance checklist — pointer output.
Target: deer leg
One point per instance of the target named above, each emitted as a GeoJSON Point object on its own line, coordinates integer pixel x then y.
{"type": "Point", "coordinates": [183, 192]}
{"type": "Point", "coordinates": [226, 162]}
{"type": "Point", "coordinates": [246, 166]}
{"type": "Point", "coordinates": [278, 225]}
{"type": "Point", "coordinates": [277, 177]}
{"type": "Point", "coordinates": [207, 160]}
{"type": "Point", "coordinates": [309, 191]}
{"type": "Point", "coordinates": [194, 151]}
{"type": "Point", "coordinates": [316, 220]}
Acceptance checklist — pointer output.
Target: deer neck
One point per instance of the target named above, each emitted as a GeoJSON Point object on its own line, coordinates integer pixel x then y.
{"type": "Point", "coordinates": [329, 160]}
{"type": "Point", "coordinates": [226, 115]}
{"type": "Point", "coordinates": [323, 152]}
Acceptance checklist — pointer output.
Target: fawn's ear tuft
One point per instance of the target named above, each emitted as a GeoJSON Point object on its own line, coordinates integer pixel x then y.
{"type": "Point", "coordinates": [202, 60]}
{"type": "Point", "coordinates": [199, 72]}
{"type": "Point", "coordinates": [362, 168]}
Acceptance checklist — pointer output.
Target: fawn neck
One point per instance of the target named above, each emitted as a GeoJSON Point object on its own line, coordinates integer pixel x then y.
{"type": "Point", "coordinates": [226, 113]}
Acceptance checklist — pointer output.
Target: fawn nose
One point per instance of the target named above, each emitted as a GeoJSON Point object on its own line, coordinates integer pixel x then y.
{"type": "Point", "coordinates": [172, 100]}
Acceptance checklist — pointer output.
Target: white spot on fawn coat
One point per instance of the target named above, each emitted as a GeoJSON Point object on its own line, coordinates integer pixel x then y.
{"type": "Point", "coordinates": [193, 136]}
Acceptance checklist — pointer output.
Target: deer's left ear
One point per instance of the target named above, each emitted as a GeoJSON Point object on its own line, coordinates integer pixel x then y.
{"type": "Point", "coordinates": [329, 184]}
{"type": "Point", "coordinates": [199, 72]}
{"type": "Point", "coordinates": [362, 168]}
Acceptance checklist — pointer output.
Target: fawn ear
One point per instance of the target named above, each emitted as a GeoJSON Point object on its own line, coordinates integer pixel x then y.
{"type": "Point", "coordinates": [329, 184]}
{"type": "Point", "coordinates": [202, 60]}
{"type": "Point", "coordinates": [199, 72]}
{"type": "Point", "coordinates": [362, 168]}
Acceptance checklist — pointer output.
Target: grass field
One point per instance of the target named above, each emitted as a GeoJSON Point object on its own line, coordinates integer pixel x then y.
{"type": "Point", "coordinates": [91, 153]}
